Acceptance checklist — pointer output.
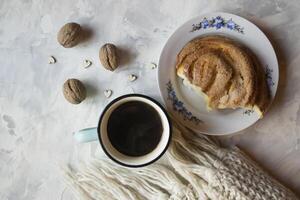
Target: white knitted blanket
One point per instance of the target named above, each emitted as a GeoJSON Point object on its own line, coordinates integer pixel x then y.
{"type": "Point", "coordinates": [199, 169]}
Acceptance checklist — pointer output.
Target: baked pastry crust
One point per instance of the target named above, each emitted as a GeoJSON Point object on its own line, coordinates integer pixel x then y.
{"type": "Point", "coordinates": [227, 74]}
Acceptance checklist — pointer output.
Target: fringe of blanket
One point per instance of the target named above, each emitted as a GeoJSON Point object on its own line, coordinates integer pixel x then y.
{"type": "Point", "coordinates": [199, 169]}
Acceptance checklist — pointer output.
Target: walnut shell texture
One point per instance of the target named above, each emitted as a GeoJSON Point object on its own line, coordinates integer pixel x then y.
{"type": "Point", "coordinates": [109, 57]}
{"type": "Point", "coordinates": [69, 35]}
{"type": "Point", "coordinates": [74, 91]}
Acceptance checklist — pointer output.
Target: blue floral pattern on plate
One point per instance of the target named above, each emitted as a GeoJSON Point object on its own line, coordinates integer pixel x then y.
{"type": "Point", "coordinates": [179, 107]}
{"type": "Point", "coordinates": [269, 78]}
{"type": "Point", "coordinates": [218, 22]}
{"type": "Point", "coordinates": [248, 112]}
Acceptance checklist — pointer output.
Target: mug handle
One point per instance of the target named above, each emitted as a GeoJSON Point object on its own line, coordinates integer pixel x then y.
{"type": "Point", "coordinates": [86, 135]}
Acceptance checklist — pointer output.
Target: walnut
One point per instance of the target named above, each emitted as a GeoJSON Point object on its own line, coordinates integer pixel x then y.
{"type": "Point", "coordinates": [108, 56]}
{"type": "Point", "coordinates": [69, 35]}
{"type": "Point", "coordinates": [74, 91]}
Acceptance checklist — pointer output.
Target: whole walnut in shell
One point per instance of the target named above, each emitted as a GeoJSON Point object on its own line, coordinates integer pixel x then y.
{"type": "Point", "coordinates": [69, 35]}
{"type": "Point", "coordinates": [74, 91]}
{"type": "Point", "coordinates": [109, 57]}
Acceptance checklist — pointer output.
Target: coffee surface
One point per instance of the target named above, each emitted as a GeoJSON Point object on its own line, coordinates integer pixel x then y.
{"type": "Point", "coordinates": [134, 128]}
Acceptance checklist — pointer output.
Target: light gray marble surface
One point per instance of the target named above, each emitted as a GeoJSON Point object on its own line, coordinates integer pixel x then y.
{"type": "Point", "coordinates": [36, 123]}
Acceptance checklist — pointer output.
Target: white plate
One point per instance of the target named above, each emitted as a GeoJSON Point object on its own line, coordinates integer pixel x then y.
{"type": "Point", "coordinates": [189, 107]}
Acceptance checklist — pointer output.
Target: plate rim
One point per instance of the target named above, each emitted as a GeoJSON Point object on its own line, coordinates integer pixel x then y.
{"type": "Point", "coordinates": [201, 17]}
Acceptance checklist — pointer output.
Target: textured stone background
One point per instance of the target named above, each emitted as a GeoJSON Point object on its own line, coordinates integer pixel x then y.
{"type": "Point", "coordinates": [36, 122]}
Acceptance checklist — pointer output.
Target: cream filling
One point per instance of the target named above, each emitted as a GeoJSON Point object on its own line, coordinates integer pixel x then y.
{"type": "Point", "coordinates": [199, 91]}
{"type": "Point", "coordinates": [195, 88]}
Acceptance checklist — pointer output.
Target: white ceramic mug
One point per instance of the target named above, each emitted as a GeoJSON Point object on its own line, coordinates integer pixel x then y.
{"type": "Point", "coordinates": [100, 133]}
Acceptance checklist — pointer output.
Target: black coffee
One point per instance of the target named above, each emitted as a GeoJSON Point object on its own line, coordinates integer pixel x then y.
{"type": "Point", "coordinates": [134, 128]}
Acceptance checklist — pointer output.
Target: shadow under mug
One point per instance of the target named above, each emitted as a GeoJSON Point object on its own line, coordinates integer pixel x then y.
{"type": "Point", "coordinates": [100, 133]}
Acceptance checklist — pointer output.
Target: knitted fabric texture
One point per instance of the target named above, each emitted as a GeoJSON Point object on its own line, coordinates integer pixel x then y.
{"type": "Point", "coordinates": [198, 168]}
